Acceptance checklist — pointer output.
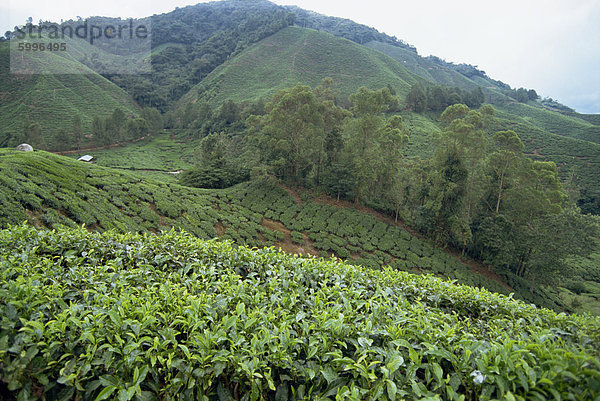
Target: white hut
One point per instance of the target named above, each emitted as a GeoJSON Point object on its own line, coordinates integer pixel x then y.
{"type": "Point", "coordinates": [86, 158]}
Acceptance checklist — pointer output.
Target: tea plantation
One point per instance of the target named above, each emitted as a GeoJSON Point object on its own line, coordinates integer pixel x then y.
{"type": "Point", "coordinates": [50, 191]}
{"type": "Point", "coordinates": [93, 316]}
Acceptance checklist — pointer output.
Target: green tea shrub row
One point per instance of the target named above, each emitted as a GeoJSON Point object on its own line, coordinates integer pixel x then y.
{"type": "Point", "coordinates": [94, 316]}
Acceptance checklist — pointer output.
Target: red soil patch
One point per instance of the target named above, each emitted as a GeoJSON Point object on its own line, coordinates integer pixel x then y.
{"type": "Point", "coordinates": [354, 255]}
{"type": "Point", "coordinates": [292, 193]}
{"type": "Point", "coordinates": [152, 206]}
{"type": "Point", "coordinates": [275, 226]}
{"type": "Point", "coordinates": [287, 245]}
{"type": "Point", "coordinates": [220, 228]}
{"type": "Point", "coordinates": [35, 218]}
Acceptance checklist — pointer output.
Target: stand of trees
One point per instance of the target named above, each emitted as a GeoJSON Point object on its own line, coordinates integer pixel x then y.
{"type": "Point", "coordinates": [299, 135]}
{"type": "Point", "coordinates": [479, 193]}
{"type": "Point", "coordinates": [522, 95]}
{"type": "Point", "coordinates": [438, 97]}
{"type": "Point", "coordinates": [215, 169]}
{"type": "Point", "coordinates": [118, 127]}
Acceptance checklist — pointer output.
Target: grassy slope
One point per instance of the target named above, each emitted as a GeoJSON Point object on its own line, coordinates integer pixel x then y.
{"type": "Point", "coordinates": [570, 155]}
{"type": "Point", "coordinates": [422, 67]}
{"type": "Point", "coordinates": [86, 316]}
{"type": "Point", "coordinates": [435, 73]}
{"type": "Point", "coordinates": [53, 100]}
{"type": "Point", "coordinates": [295, 55]}
{"type": "Point", "coordinates": [554, 122]}
{"type": "Point", "coordinates": [47, 190]}
{"type": "Point", "coordinates": [158, 156]}
{"type": "Point", "coordinates": [579, 126]}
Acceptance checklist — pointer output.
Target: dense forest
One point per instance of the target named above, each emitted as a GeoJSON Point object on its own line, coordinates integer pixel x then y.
{"type": "Point", "coordinates": [207, 35]}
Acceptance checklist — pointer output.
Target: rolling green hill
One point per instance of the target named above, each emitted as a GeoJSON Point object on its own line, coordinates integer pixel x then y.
{"type": "Point", "coordinates": [577, 153]}
{"type": "Point", "coordinates": [295, 55]}
{"type": "Point", "coordinates": [52, 100]}
{"type": "Point", "coordinates": [572, 125]}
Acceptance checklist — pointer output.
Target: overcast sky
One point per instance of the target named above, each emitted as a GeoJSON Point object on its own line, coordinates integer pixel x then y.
{"type": "Point", "coordinates": [552, 46]}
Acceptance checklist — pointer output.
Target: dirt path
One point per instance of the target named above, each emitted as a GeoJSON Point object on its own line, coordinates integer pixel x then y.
{"type": "Point", "coordinates": [220, 228]}
{"type": "Point", "coordinates": [292, 193]}
{"type": "Point", "coordinates": [535, 153]}
{"type": "Point", "coordinates": [293, 66]}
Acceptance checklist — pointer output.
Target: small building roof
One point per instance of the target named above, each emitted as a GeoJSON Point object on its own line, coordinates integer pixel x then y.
{"type": "Point", "coordinates": [86, 158]}
{"type": "Point", "coordinates": [24, 147]}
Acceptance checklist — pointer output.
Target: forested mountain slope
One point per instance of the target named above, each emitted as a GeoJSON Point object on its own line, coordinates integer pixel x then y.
{"type": "Point", "coordinates": [189, 42]}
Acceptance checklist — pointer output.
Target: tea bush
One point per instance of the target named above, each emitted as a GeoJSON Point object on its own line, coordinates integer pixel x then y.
{"type": "Point", "coordinates": [297, 237]}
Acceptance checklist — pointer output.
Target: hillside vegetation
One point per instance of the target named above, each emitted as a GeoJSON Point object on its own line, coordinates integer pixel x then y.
{"type": "Point", "coordinates": [295, 55]}
{"type": "Point", "coordinates": [50, 191]}
{"type": "Point", "coordinates": [429, 70]}
{"type": "Point", "coordinates": [536, 125]}
{"type": "Point", "coordinates": [37, 108]}
{"type": "Point", "coordinates": [556, 123]}
{"type": "Point", "coordinates": [291, 206]}
{"type": "Point", "coordinates": [92, 316]}
{"type": "Point", "coordinates": [190, 42]}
